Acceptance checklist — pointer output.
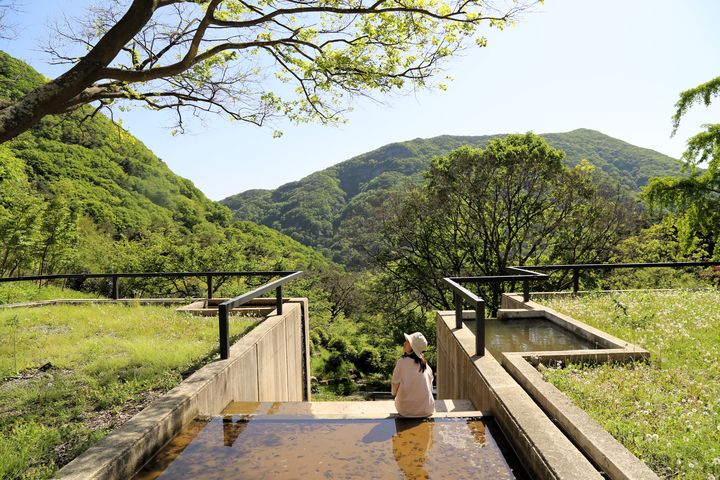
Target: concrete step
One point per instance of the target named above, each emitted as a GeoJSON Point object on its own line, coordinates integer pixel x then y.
{"type": "Point", "coordinates": [347, 410]}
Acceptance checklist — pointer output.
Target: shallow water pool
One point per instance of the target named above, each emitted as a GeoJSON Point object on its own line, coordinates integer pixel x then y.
{"type": "Point", "coordinates": [531, 335]}
{"type": "Point", "coordinates": [243, 447]}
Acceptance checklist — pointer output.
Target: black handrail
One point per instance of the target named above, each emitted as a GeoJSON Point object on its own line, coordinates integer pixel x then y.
{"type": "Point", "coordinates": [226, 307]}
{"type": "Point", "coordinates": [577, 268]}
{"type": "Point", "coordinates": [478, 303]}
{"type": "Point", "coordinates": [526, 274]}
{"type": "Point", "coordinates": [114, 277]}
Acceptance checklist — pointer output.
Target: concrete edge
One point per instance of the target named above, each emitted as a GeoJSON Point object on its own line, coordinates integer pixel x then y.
{"type": "Point", "coordinates": [609, 454]}
{"type": "Point", "coordinates": [125, 450]}
{"type": "Point", "coordinates": [360, 416]}
{"type": "Point", "coordinates": [592, 334]}
{"type": "Point", "coordinates": [80, 301]}
{"type": "Point", "coordinates": [540, 445]}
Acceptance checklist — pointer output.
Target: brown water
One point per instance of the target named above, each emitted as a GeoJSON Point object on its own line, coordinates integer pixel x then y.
{"type": "Point", "coordinates": [531, 335]}
{"type": "Point", "coordinates": [239, 447]}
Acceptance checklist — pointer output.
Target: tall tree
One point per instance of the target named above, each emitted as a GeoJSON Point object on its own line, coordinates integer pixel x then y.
{"type": "Point", "coordinates": [694, 200]}
{"type": "Point", "coordinates": [20, 216]}
{"type": "Point", "coordinates": [231, 56]}
{"type": "Point", "coordinates": [513, 203]}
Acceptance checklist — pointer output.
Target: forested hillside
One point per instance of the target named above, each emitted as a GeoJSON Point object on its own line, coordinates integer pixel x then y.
{"type": "Point", "coordinates": [329, 209]}
{"type": "Point", "coordinates": [78, 193]}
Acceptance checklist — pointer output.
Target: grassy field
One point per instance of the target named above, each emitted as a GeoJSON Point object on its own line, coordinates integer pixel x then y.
{"type": "Point", "coordinates": [70, 374]}
{"type": "Point", "coordinates": [17, 292]}
{"type": "Point", "coordinates": [667, 412]}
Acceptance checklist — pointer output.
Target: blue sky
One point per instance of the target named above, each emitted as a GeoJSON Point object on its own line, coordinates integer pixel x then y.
{"type": "Point", "coordinates": [614, 66]}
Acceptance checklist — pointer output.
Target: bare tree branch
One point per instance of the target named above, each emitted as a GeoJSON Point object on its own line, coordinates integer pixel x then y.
{"type": "Point", "coordinates": [234, 57]}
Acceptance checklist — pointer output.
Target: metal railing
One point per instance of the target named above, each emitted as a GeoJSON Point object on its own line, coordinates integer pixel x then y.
{"type": "Point", "coordinates": [576, 269]}
{"type": "Point", "coordinates": [461, 293]}
{"type": "Point", "coordinates": [226, 307]}
{"type": "Point", "coordinates": [527, 274]}
{"type": "Point", "coordinates": [115, 277]}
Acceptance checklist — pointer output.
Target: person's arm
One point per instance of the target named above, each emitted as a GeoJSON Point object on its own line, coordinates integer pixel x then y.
{"type": "Point", "coordinates": [395, 382]}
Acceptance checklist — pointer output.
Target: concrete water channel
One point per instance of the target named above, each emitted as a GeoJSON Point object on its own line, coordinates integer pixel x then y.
{"type": "Point", "coordinates": [251, 416]}
{"type": "Point", "coordinates": [298, 440]}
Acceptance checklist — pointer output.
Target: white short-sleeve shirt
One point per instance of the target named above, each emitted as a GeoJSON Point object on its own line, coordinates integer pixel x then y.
{"type": "Point", "coordinates": [412, 389]}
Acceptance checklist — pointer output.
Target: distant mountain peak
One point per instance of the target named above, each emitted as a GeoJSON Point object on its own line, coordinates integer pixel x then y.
{"type": "Point", "coordinates": [316, 209]}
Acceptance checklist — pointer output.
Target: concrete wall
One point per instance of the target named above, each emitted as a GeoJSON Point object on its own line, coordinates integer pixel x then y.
{"type": "Point", "coordinates": [541, 447]}
{"type": "Point", "coordinates": [271, 363]}
{"type": "Point", "coordinates": [523, 403]}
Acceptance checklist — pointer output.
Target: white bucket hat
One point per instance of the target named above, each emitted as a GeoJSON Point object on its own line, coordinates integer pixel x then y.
{"type": "Point", "coordinates": [417, 342]}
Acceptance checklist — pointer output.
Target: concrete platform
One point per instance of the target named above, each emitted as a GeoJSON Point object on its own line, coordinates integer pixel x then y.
{"type": "Point", "coordinates": [346, 410]}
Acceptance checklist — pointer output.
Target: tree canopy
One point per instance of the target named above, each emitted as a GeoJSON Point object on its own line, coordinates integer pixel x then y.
{"type": "Point", "coordinates": [694, 200]}
{"type": "Point", "coordinates": [513, 203]}
{"type": "Point", "coordinates": [232, 56]}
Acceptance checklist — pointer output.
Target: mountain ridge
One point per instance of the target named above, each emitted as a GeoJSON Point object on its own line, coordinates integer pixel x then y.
{"type": "Point", "coordinates": [112, 191]}
{"type": "Point", "coordinates": [315, 208]}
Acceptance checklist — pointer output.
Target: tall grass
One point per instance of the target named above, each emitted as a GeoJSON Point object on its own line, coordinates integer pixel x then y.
{"type": "Point", "coordinates": [100, 362]}
{"type": "Point", "coordinates": [667, 412]}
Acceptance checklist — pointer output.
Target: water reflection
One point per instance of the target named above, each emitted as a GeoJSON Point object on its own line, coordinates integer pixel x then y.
{"type": "Point", "coordinates": [231, 430]}
{"type": "Point", "coordinates": [239, 447]}
{"type": "Point", "coordinates": [410, 446]}
{"type": "Point", "coordinates": [531, 334]}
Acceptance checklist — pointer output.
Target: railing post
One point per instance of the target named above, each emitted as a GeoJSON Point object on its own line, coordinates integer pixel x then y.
{"type": "Point", "coordinates": [576, 280]}
{"type": "Point", "coordinates": [458, 310]}
{"type": "Point", "coordinates": [224, 332]}
{"type": "Point", "coordinates": [115, 287]}
{"type": "Point", "coordinates": [209, 287]}
{"type": "Point", "coordinates": [526, 291]}
{"type": "Point", "coordinates": [480, 328]}
{"type": "Point", "coordinates": [279, 300]}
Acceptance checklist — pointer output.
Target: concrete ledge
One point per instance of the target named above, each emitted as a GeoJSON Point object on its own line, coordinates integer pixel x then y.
{"type": "Point", "coordinates": [379, 409]}
{"type": "Point", "coordinates": [82, 301]}
{"type": "Point", "coordinates": [515, 302]}
{"type": "Point", "coordinates": [606, 452]}
{"type": "Point", "coordinates": [542, 448]}
{"type": "Point", "coordinates": [508, 313]}
{"type": "Point", "coordinates": [209, 307]}
{"type": "Point", "coordinates": [206, 392]}
{"type": "Point", "coordinates": [609, 454]}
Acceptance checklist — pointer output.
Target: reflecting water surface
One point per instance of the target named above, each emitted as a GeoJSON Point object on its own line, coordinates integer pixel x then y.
{"type": "Point", "coordinates": [238, 447]}
{"type": "Point", "coordinates": [529, 335]}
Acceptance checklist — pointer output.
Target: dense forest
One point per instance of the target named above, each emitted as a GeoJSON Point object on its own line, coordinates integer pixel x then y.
{"type": "Point", "coordinates": [80, 194]}
{"type": "Point", "coordinates": [327, 210]}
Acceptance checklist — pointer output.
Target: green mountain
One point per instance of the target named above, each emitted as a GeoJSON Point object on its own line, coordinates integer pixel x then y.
{"type": "Point", "coordinates": [78, 192]}
{"type": "Point", "coordinates": [323, 210]}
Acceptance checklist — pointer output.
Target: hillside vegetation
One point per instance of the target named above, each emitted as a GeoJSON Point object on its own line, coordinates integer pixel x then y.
{"type": "Point", "coordinates": [665, 411]}
{"type": "Point", "coordinates": [329, 209]}
{"type": "Point", "coordinates": [78, 193]}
